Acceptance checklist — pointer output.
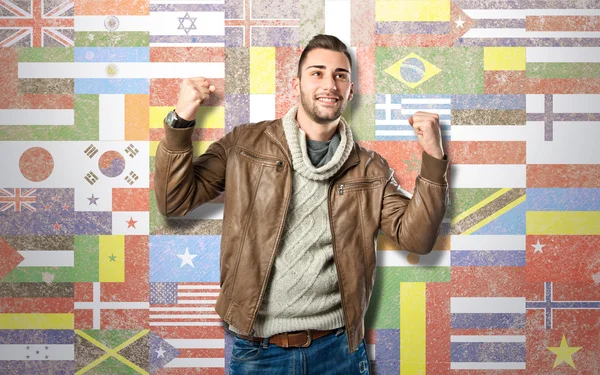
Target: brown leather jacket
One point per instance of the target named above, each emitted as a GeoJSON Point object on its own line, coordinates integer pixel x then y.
{"type": "Point", "coordinates": [252, 164]}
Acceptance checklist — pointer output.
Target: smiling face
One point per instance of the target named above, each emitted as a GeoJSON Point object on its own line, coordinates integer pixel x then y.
{"type": "Point", "coordinates": [324, 87]}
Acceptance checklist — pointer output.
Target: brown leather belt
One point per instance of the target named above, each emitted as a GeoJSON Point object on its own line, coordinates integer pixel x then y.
{"type": "Point", "coordinates": [301, 339]}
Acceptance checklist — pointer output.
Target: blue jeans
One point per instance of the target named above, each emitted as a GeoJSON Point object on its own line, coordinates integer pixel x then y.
{"type": "Point", "coordinates": [328, 355]}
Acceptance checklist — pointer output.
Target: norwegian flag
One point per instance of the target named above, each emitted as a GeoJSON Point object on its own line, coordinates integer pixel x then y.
{"type": "Point", "coordinates": [18, 199]}
{"type": "Point", "coordinates": [183, 314]}
{"type": "Point", "coordinates": [562, 329]}
{"type": "Point", "coordinates": [38, 23]}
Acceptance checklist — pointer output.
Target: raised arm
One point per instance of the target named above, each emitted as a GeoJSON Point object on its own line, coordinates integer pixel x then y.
{"type": "Point", "coordinates": [414, 222]}
{"type": "Point", "coordinates": [181, 182]}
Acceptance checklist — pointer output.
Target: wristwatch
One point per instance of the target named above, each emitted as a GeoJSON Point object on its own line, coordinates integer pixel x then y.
{"type": "Point", "coordinates": [174, 121]}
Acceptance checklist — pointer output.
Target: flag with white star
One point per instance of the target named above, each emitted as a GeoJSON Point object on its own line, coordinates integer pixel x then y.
{"type": "Point", "coordinates": [161, 352]}
{"type": "Point", "coordinates": [184, 258]}
{"type": "Point", "coordinates": [511, 285]}
{"type": "Point", "coordinates": [561, 241]}
{"type": "Point", "coordinates": [184, 286]}
{"type": "Point", "coordinates": [183, 314]}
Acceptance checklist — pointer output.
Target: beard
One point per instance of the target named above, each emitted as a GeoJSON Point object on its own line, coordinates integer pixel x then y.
{"type": "Point", "coordinates": [315, 114]}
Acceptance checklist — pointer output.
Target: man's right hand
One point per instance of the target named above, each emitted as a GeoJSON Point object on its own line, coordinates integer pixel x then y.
{"type": "Point", "coordinates": [193, 91]}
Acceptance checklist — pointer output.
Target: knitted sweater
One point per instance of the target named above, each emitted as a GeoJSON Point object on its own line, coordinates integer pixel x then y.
{"type": "Point", "coordinates": [303, 292]}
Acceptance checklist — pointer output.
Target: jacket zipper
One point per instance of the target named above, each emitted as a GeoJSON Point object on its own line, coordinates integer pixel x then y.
{"type": "Point", "coordinates": [279, 164]}
{"type": "Point", "coordinates": [262, 160]}
{"type": "Point", "coordinates": [260, 297]}
{"type": "Point", "coordinates": [353, 185]}
{"type": "Point", "coordinates": [337, 268]}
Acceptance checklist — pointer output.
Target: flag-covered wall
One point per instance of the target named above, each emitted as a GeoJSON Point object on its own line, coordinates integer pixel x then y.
{"type": "Point", "coordinates": [93, 279]}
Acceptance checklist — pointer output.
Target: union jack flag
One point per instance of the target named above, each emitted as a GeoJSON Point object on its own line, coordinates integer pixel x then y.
{"type": "Point", "coordinates": [37, 23]}
{"type": "Point", "coordinates": [19, 199]}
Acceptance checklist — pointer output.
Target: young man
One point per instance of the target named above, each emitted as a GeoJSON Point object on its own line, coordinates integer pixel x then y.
{"type": "Point", "coordinates": [303, 207]}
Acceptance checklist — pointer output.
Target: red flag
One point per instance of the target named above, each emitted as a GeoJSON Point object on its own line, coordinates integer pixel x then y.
{"type": "Point", "coordinates": [569, 259]}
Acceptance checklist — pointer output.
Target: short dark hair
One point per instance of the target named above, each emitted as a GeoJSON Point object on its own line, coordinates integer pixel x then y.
{"type": "Point", "coordinates": [328, 42]}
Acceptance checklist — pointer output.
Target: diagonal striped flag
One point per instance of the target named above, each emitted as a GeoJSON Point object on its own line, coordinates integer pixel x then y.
{"type": "Point", "coordinates": [487, 210]}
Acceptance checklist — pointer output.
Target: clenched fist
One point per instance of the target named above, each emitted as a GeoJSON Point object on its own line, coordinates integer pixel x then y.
{"type": "Point", "coordinates": [193, 91]}
{"type": "Point", "coordinates": [427, 127]}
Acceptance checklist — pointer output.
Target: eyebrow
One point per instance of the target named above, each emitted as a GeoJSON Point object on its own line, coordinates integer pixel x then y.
{"type": "Point", "coordinates": [324, 67]}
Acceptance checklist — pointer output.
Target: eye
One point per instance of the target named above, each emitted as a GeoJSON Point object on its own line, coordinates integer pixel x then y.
{"type": "Point", "coordinates": [315, 73]}
{"type": "Point", "coordinates": [342, 76]}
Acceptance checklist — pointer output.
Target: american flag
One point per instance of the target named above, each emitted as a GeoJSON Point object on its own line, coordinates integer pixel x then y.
{"type": "Point", "coordinates": [18, 199]}
{"type": "Point", "coordinates": [183, 314]}
{"type": "Point", "coordinates": [194, 306]}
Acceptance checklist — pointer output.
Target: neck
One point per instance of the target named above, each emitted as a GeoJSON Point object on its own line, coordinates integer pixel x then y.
{"type": "Point", "coordinates": [315, 131]}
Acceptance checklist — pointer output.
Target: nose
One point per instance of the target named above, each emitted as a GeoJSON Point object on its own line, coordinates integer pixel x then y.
{"type": "Point", "coordinates": [329, 83]}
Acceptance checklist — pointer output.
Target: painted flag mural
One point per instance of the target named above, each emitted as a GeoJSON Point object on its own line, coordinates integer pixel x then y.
{"type": "Point", "coordinates": [94, 280]}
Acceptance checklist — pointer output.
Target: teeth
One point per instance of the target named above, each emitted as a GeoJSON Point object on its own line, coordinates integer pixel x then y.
{"type": "Point", "coordinates": [328, 100]}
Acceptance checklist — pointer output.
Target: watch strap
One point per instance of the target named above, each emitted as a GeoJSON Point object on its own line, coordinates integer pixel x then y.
{"type": "Point", "coordinates": [182, 123]}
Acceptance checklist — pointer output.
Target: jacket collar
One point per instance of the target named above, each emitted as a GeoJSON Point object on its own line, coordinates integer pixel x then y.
{"type": "Point", "coordinates": [275, 132]}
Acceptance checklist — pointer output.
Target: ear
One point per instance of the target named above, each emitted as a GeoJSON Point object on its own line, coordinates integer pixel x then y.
{"type": "Point", "coordinates": [351, 91]}
{"type": "Point", "coordinates": [296, 86]}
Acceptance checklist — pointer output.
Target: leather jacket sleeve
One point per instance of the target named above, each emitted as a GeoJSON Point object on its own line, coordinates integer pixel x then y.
{"type": "Point", "coordinates": [414, 222]}
{"type": "Point", "coordinates": [181, 183]}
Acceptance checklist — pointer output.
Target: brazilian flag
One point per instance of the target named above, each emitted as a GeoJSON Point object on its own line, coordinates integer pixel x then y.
{"type": "Point", "coordinates": [429, 70]}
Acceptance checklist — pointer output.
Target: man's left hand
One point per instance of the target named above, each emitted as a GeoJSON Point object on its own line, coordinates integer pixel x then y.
{"type": "Point", "coordinates": [427, 127]}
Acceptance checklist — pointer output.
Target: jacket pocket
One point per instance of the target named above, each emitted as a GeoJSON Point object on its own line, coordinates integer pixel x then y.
{"type": "Point", "coordinates": [344, 187]}
{"type": "Point", "coordinates": [262, 160]}
{"type": "Point", "coordinates": [358, 205]}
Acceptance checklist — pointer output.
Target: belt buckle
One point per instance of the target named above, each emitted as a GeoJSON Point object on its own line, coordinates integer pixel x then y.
{"type": "Point", "coordinates": [308, 341]}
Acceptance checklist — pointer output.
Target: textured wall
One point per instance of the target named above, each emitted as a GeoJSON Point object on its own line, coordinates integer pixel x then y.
{"type": "Point", "coordinates": [93, 279]}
